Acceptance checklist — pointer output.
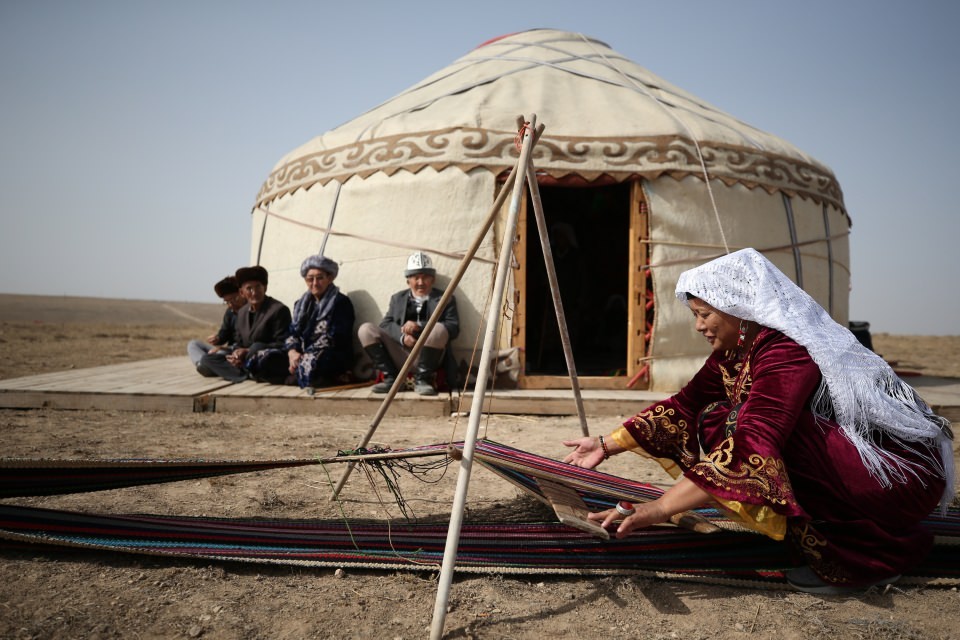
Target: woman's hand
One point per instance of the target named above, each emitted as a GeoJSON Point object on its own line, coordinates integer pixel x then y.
{"type": "Point", "coordinates": [587, 452]}
{"type": "Point", "coordinates": [647, 514]}
{"type": "Point", "coordinates": [682, 496]}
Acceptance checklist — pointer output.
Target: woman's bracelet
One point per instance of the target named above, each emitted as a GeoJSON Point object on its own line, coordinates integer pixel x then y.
{"type": "Point", "coordinates": [606, 452]}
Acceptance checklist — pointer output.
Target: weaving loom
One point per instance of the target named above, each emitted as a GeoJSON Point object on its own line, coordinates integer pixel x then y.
{"type": "Point", "coordinates": [726, 556]}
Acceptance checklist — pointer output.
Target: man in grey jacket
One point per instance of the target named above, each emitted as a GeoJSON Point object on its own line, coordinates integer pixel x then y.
{"type": "Point", "coordinates": [389, 344]}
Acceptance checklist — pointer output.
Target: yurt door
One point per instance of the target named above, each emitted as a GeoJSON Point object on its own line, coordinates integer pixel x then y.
{"type": "Point", "coordinates": [590, 230]}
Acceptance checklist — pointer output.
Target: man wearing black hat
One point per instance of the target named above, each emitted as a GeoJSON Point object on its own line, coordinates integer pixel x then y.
{"type": "Point", "coordinates": [389, 344]}
{"type": "Point", "coordinates": [262, 323]}
{"type": "Point", "coordinates": [229, 291]}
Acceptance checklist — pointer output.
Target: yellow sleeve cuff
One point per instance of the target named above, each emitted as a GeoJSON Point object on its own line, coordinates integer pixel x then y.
{"type": "Point", "coordinates": [623, 438]}
{"type": "Point", "coordinates": [756, 517]}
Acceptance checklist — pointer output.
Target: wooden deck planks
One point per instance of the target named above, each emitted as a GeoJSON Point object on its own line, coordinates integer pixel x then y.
{"type": "Point", "coordinates": [163, 384]}
{"type": "Point", "coordinates": [251, 397]}
{"type": "Point", "coordinates": [172, 384]}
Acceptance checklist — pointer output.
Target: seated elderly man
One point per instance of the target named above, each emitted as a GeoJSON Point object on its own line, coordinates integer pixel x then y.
{"type": "Point", "coordinates": [262, 323]}
{"type": "Point", "coordinates": [389, 344]}
{"type": "Point", "coordinates": [229, 291]}
{"type": "Point", "coordinates": [319, 349]}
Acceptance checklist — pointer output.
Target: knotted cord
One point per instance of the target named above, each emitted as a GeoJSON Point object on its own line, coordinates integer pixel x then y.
{"type": "Point", "coordinates": [389, 471]}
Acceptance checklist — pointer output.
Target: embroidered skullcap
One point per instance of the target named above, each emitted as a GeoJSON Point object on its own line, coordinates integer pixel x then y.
{"type": "Point", "coordinates": [417, 263]}
{"type": "Point", "coordinates": [250, 274]}
{"type": "Point", "coordinates": [858, 388]}
{"type": "Point", "coordinates": [319, 262]}
{"type": "Point", "coordinates": [226, 286]}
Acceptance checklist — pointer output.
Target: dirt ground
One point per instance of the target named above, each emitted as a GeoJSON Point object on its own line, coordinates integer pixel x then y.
{"type": "Point", "coordinates": [87, 595]}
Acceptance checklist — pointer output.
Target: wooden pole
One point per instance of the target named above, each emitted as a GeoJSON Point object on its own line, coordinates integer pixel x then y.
{"type": "Point", "coordinates": [555, 294]}
{"type": "Point", "coordinates": [431, 323]}
{"type": "Point", "coordinates": [476, 409]}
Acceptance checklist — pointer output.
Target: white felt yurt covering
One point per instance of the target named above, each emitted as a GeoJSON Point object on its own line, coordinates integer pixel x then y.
{"type": "Point", "coordinates": [421, 171]}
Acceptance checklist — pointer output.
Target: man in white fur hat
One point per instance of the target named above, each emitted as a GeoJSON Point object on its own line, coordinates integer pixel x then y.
{"type": "Point", "coordinates": [389, 344]}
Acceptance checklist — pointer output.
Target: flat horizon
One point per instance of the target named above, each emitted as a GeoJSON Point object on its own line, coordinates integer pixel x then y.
{"type": "Point", "coordinates": [148, 308]}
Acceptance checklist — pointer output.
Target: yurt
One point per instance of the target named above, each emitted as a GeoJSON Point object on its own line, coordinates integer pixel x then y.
{"type": "Point", "coordinates": [639, 181]}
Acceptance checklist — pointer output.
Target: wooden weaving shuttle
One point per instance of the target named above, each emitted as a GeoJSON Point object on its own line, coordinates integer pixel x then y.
{"type": "Point", "coordinates": [570, 507]}
{"type": "Point", "coordinates": [694, 522]}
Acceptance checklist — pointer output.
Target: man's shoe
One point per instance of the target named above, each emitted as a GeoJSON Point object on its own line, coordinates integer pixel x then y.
{"type": "Point", "coordinates": [384, 386]}
{"type": "Point", "coordinates": [424, 388]}
{"type": "Point", "coordinates": [382, 362]}
{"type": "Point", "coordinates": [423, 377]}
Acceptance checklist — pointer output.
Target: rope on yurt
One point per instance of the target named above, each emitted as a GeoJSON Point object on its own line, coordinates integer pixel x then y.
{"type": "Point", "coordinates": [792, 228]}
{"type": "Point", "coordinates": [826, 228]}
{"type": "Point", "coordinates": [681, 122]}
{"type": "Point", "coordinates": [333, 212]}
{"type": "Point", "coordinates": [783, 247]}
{"type": "Point", "coordinates": [381, 241]}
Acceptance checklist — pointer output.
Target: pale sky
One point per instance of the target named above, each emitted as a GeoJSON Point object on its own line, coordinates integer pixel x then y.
{"type": "Point", "coordinates": [134, 136]}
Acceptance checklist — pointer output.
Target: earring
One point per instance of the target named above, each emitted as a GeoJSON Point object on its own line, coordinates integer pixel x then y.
{"type": "Point", "coordinates": [742, 335]}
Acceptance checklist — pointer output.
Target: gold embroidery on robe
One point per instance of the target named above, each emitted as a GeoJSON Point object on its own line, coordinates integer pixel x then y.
{"type": "Point", "coordinates": [811, 542]}
{"type": "Point", "coordinates": [737, 381]}
{"type": "Point", "coordinates": [757, 476]}
{"type": "Point", "coordinates": [657, 426]}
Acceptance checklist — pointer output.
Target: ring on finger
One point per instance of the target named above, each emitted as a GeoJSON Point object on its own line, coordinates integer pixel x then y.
{"type": "Point", "coordinates": [625, 508]}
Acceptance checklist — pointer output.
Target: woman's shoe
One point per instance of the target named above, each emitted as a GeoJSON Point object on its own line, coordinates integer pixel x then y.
{"type": "Point", "coordinates": [806, 580]}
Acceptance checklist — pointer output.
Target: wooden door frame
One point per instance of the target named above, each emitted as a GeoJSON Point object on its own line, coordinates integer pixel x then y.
{"type": "Point", "coordinates": [637, 337]}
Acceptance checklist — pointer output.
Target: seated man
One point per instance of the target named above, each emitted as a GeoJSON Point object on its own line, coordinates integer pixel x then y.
{"type": "Point", "coordinates": [319, 350]}
{"type": "Point", "coordinates": [389, 344]}
{"type": "Point", "coordinates": [262, 323]}
{"type": "Point", "coordinates": [229, 291]}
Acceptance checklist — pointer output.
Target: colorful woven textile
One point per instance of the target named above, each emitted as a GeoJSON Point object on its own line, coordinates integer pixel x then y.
{"type": "Point", "coordinates": [22, 477]}
{"type": "Point", "coordinates": [731, 557]}
{"type": "Point", "coordinates": [544, 548]}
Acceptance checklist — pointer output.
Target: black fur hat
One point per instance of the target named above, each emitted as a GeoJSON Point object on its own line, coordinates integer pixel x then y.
{"type": "Point", "coordinates": [248, 274]}
{"type": "Point", "coordinates": [226, 286]}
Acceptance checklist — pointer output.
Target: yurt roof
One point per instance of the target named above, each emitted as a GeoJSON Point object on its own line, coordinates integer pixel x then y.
{"type": "Point", "coordinates": [605, 115]}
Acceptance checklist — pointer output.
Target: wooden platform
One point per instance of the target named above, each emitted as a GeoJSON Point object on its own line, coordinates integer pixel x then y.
{"type": "Point", "coordinates": [172, 384]}
{"type": "Point", "coordinates": [164, 384]}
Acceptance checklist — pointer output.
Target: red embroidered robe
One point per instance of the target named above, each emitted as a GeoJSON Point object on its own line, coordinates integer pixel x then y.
{"type": "Point", "coordinates": [778, 470]}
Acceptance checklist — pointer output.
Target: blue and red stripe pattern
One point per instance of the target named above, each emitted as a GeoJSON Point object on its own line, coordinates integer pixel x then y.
{"type": "Point", "coordinates": [732, 556]}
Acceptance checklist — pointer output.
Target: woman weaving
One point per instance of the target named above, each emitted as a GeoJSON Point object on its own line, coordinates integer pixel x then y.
{"type": "Point", "coordinates": [806, 435]}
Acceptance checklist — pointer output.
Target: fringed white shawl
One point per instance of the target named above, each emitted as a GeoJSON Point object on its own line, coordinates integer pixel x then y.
{"type": "Point", "coordinates": [865, 394]}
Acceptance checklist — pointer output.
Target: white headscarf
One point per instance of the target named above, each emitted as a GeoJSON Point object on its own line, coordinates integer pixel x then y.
{"type": "Point", "coordinates": [865, 394]}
